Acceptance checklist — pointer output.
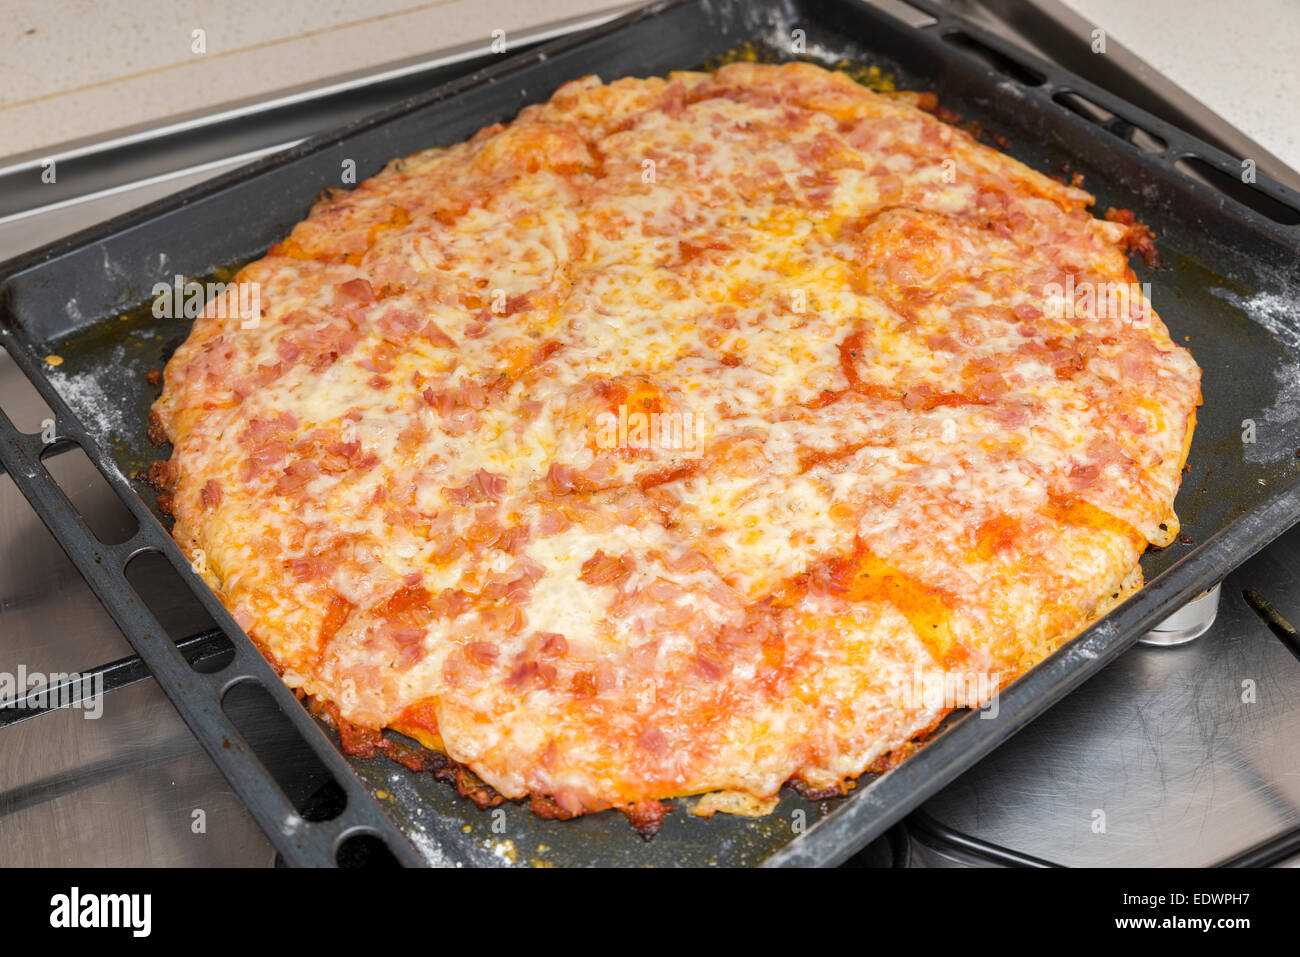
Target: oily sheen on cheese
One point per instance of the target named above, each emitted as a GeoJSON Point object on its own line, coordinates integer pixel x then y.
{"type": "Point", "coordinates": [903, 461]}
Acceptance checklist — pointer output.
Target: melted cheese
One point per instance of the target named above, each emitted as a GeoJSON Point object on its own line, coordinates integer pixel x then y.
{"type": "Point", "coordinates": [898, 462]}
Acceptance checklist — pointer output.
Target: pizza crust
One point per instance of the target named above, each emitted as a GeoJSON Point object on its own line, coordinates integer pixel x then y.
{"type": "Point", "coordinates": [668, 439]}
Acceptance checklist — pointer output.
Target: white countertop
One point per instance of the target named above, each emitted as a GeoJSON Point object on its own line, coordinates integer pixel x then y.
{"type": "Point", "coordinates": [1241, 59]}
{"type": "Point", "coordinates": [79, 68]}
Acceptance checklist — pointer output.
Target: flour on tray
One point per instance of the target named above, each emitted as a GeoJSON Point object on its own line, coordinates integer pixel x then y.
{"type": "Point", "coordinates": [1279, 434]}
{"type": "Point", "coordinates": [102, 416]}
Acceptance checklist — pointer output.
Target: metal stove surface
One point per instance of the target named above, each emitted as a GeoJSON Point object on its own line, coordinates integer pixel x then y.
{"type": "Point", "coordinates": [1172, 756]}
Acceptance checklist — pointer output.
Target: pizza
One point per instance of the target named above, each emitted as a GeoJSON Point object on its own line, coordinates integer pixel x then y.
{"type": "Point", "coordinates": [675, 438]}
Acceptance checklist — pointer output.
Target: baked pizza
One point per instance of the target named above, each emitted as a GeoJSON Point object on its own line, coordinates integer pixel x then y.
{"type": "Point", "coordinates": [676, 438]}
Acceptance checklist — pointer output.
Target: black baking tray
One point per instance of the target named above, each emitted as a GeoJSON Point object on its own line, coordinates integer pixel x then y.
{"type": "Point", "coordinates": [1229, 289]}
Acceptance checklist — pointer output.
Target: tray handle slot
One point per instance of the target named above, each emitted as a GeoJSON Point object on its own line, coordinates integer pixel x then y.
{"type": "Point", "coordinates": [163, 591]}
{"type": "Point", "coordinates": [1112, 123]}
{"type": "Point", "coordinates": [364, 849]}
{"type": "Point", "coordinates": [281, 750]}
{"type": "Point", "coordinates": [198, 697]}
{"type": "Point", "coordinates": [1214, 175]}
{"type": "Point", "coordinates": [95, 502]}
{"type": "Point", "coordinates": [994, 58]}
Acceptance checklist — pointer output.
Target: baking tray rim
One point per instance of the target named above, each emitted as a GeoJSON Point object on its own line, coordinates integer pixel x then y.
{"type": "Point", "coordinates": [1023, 699]}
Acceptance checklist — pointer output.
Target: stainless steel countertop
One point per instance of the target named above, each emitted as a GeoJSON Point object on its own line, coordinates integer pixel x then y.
{"type": "Point", "coordinates": [1166, 749]}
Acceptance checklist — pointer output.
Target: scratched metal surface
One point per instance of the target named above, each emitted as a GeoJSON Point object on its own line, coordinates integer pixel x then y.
{"type": "Point", "coordinates": [1171, 757]}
